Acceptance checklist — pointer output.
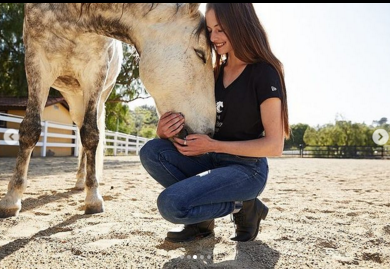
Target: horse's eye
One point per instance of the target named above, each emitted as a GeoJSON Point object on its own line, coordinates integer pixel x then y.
{"type": "Point", "coordinates": [200, 54]}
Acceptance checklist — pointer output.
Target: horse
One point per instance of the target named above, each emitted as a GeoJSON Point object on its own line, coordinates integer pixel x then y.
{"type": "Point", "coordinates": [76, 48]}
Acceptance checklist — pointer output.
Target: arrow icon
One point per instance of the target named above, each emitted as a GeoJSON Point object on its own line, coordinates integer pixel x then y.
{"type": "Point", "coordinates": [11, 137]}
{"type": "Point", "coordinates": [380, 137]}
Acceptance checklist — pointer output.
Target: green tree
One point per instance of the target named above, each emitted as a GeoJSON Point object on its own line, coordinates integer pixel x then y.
{"type": "Point", "coordinates": [12, 74]}
{"type": "Point", "coordinates": [310, 137]}
{"type": "Point", "coordinates": [342, 133]}
{"type": "Point", "coordinates": [128, 84]}
{"type": "Point", "coordinates": [380, 122]}
{"type": "Point", "coordinates": [151, 117]}
{"type": "Point", "coordinates": [325, 135]}
{"type": "Point", "coordinates": [347, 133]}
{"type": "Point", "coordinates": [296, 138]}
{"type": "Point", "coordinates": [148, 132]}
{"type": "Point", "coordinates": [146, 121]}
{"type": "Point", "coordinates": [118, 117]}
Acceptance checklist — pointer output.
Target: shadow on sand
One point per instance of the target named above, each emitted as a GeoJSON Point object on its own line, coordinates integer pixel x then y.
{"type": "Point", "coordinates": [200, 254]}
{"type": "Point", "coordinates": [18, 244]}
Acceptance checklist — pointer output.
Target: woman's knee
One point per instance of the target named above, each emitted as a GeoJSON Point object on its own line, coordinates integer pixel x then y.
{"type": "Point", "coordinates": [151, 150]}
{"type": "Point", "coordinates": [147, 150]}
{"type": "Point", "coordinates": [171, 206]}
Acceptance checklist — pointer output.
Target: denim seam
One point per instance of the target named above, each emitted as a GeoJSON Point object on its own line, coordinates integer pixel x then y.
{"type": "Point", "coordinates": [214, 190]}
{"type": "Point", "coordinates": [160, 157]}
{"type": "Point", "coordinates": [265, 184]}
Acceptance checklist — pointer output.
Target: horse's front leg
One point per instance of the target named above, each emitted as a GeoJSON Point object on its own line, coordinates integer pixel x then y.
{"type": "Point", "coordinates": [29, 133]}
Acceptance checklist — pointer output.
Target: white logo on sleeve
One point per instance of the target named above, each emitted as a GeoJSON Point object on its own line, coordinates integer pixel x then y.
{"type": "Point", "coordinates": [273, 88]}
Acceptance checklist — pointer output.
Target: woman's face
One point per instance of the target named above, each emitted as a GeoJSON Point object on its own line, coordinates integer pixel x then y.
{"type": "Point", "coordinates": [218, 37]}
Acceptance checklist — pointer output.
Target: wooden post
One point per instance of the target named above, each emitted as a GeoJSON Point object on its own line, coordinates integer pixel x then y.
{"type": "Point", "coordinates": [127, 145]}
{"type": "Point", "coordinates": [115, 141]}
{"type": "Point", "coordinates": [76, 148]}
{"type": "Point", "coordinates": [44, 140]}
{"type": "Point", "coordinates": [137, 146]}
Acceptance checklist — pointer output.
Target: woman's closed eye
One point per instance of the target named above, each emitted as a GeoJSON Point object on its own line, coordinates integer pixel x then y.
{"type": "Point", "coordinates": [219, 31]}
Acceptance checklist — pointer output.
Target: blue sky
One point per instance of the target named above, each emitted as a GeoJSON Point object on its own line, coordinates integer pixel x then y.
{"type": "Point", "coordinates": [336, 59]}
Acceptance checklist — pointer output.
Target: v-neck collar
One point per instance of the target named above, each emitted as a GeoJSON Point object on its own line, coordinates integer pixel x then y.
{"type": "Point", "coordinates": [236, 79]}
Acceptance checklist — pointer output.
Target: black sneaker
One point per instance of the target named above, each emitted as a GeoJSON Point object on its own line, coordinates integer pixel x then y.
{"type": "Point", "coordinates": [191, 232]}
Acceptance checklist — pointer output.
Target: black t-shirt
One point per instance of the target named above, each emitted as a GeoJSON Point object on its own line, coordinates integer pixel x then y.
{"type": "Point", "coordinates": [238, 106]}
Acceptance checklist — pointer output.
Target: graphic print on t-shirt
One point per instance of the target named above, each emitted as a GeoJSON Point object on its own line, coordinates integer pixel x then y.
{"type": "Point", "coordinates": [218, 124]}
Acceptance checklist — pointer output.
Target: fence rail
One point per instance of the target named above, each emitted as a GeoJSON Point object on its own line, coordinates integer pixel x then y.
{"type": "Point", "coordinates": [356, 152]}
{"type": "Point", "coordinates": [116, 143]}
{"type": "Point", "coordinates": [119, 143]}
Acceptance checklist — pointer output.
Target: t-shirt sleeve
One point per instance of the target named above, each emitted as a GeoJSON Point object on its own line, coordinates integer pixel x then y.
{"type": "Point", "coordinates": [267, 83]}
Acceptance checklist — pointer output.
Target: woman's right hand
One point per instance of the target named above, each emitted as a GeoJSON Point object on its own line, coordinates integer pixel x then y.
{"type": "Point", "coordinates": [170, 124]}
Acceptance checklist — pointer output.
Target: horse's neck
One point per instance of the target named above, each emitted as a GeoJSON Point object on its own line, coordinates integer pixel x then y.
{"type": "Point", "coordinates": [130, 23]}
{"type": "Point", "coordinates": [114, 20]}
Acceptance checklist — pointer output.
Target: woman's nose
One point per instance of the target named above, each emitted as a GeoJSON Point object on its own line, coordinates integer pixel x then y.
{"type": "Point", "coordinates": [212, 37]}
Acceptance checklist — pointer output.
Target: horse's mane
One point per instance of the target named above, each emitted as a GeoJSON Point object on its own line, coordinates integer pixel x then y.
{"type": "Point", "coordinates": [150, 6]}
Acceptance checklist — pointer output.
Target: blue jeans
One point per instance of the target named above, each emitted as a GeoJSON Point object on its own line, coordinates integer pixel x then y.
{"type": "Point", "coordinates": [203, 187]}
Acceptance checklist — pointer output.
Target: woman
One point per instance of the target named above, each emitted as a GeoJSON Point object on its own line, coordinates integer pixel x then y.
{"type": "Point", "coordinates": [207, 178]}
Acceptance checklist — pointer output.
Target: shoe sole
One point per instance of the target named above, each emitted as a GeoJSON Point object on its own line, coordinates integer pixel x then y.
{"type": "Point", "coordinates": [199, 236]}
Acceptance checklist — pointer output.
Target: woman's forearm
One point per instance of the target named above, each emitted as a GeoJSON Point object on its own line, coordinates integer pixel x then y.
{"type": "Point", "coordinates": [261, 147]}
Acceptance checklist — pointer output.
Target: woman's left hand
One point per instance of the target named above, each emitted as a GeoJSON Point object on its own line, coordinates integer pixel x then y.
{"type": "Point", "coordinates": [194, 144]}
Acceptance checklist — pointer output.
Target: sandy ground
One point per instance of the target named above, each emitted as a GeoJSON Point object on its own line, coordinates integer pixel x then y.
{"type": "Point", "coordinates": [323, 214]}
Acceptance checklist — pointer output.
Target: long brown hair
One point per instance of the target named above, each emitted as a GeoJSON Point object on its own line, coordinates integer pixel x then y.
{"type": "Point", "coordinates": [249, 41]}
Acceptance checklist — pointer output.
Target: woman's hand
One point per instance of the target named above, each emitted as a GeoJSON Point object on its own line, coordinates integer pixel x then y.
{"type": "Point", "coordinates": [194, 144]}
{"type": "Point", "coordinates": [170, 124]}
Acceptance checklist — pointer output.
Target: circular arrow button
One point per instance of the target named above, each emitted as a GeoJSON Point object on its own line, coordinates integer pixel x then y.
{"type": "Point", "coordinates": [11, 137]}
{"type": "Point", "coordinates": [380, 136]}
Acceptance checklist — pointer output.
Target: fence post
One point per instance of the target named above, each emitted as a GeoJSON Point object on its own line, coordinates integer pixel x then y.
{"type": "Point", "coordinates": [115, 140]}
{"type": "Point", "coordinates": [76, 148]}
{"type": "Point", "coordinates": [127, 145]}
{"type": "Point", "coordinates": [301, 150]}
{"type": "Point", "coordinates": [137, 145]}
{"type": "Point", "coordinates": [44, 140]}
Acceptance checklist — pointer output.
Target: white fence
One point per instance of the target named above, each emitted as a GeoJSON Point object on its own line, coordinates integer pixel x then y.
{"type": "Point", "coordinates": [119, 143]}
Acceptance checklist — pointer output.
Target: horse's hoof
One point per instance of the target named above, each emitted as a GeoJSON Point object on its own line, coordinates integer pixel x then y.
{"type": "Point", "coordinates": [94, 209]}
{"type": "Point", "coordinates": [8, 212]}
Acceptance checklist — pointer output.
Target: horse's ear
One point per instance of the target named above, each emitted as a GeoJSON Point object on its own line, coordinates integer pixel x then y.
{"type": "Point", "coordinates": [193, 7]}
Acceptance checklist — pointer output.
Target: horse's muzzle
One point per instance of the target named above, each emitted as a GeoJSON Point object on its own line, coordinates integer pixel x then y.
{"type": "Point", "coordinates": [186, 131]}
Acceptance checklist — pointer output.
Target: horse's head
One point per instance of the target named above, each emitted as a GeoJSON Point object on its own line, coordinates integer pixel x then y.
{"type": "Point", "coordinates": [175, 64]}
